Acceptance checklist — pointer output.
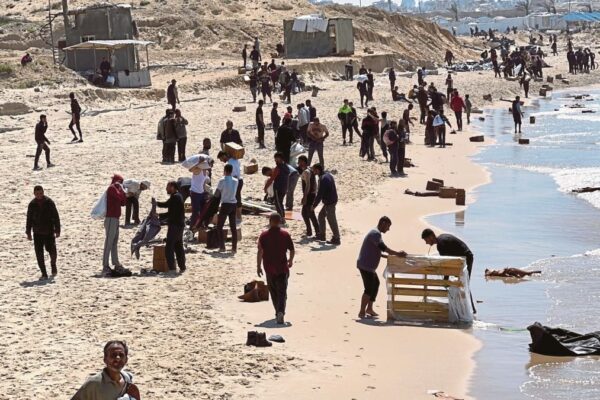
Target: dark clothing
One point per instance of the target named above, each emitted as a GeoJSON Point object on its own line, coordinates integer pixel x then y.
{"type": "Point", "coordinates": [181, 143]}
{"type": "Point", "coordinates": [174, 247]}
{"type": "Point", "coordinates": [278, 196]}
{"type": "Point", "coordinates": [312, 113]}
{"type": "Point", "coordinates": [228, 210]}
{"type": "Point", "coordinates": [40, 133]}
{"type": "Point", "coordinates": [42, 217]}
{"type": "Point", "coordinates": [284, 140]}
{"type": "Point", "coordinates": [132, 203]}
{"type": "Point", "coordinates": [75, 108]}
{"type": "Point", "coordinates": [260, 125]}
{"type": "Point", "coordinates": [231, 136]}
{"type": "Point", "coordinates": [38, 153]}
{"type": "Point", "coordinates": [171, 97]}
{"type": "Point", "coordinates": [282, 179]}
{"type": "Point", "coordinates": [49, 243]}
{"type": "Point", "coordinates": [309, 216]}
{"type": "Point", "coordinates": [450, 245]}
{"type": "Point", "coordinates": [275, 243]}
{"type": "Point", "coordinates": [370, 283]}
{"type": "Point", "coordinates": [275, 119]}
{"type": "Point", "coordinates": [327, 190]}
{"type": "Point", "coordinates": [175, 214]}
{"type": "Point", "coordinates": [278, 290]}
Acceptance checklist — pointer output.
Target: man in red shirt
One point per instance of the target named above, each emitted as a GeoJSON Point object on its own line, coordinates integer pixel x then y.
{"type": "Point", "coordinates": [273, 246]}
{"type": "Point", "coordinates": [457, 104]}
{"type": "Point", "coordinates": [115, 199]}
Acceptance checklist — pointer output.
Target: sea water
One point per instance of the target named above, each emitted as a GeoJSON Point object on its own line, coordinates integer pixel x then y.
{"type": "Point", "coordinates": [527, 217]}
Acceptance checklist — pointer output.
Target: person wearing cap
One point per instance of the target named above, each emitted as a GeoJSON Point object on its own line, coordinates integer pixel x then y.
{"type": "Point", "coordinates": [285, 137]}
{"type": "Point", "coordinates": [133, 188]}
{"type": "Point", "coordinates": [172, 95]}
{"type": "Point", "coordinates": [115, 199]}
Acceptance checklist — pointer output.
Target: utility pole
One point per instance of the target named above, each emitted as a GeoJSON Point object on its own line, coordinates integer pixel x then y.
{"type": "Point", "coordinates": [51, 32]}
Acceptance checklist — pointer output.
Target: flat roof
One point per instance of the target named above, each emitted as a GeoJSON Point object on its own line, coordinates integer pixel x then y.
{"type": "Point", "coordinates": [107, 44]}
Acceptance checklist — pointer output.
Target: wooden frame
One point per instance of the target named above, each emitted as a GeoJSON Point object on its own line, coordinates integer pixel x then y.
{"type": "Point", "coordinates": [417, 286]}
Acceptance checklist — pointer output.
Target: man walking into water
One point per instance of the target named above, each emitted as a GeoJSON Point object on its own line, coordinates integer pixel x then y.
{"type": "Point", "coordinates": [517, 113]}
{"type": "Point", "coordinates": [367, 263]}
{"type": "Point", "coordinates": [75, 117]}
{"type": "Point", "coordinates": [44, 221]}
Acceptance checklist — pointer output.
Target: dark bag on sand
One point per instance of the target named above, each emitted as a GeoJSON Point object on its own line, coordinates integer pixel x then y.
{"type": "Point", "coordinates": [212, 240]}
{"type": "Point", "coordinates": [561, 342]}
{"type": "Point", "coordinates": [120, 272]}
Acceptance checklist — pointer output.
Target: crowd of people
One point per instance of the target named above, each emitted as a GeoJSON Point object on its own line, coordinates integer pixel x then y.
{"type": "Point", "coordinates": [298, 135]}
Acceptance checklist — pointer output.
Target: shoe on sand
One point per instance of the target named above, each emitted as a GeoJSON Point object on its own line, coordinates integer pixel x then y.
{"type": "Point", "coordinates": [106, 271]}
{"type": "Point", "coordinates": [261, 340]}
{"type": "Point", "coordinates": [251, 340]}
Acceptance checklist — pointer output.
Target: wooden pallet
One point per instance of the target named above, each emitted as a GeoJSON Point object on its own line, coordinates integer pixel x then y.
{"type": "Point", "coordinates": [418, 289]}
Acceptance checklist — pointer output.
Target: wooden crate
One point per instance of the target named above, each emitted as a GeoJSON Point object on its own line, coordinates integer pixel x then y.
{"type": "Point", "coordinates": [417, 288]}
{"type": "Point", "coordinates": [234, 150]}
{"type": "Point", "coordinates": [159, 261]}
{"type": "Point", "coordinates": [250, 169]}
{"type": "Point", "coordinates": [447, 192]}
{"type": "Point", "coordinates": [461, 197]}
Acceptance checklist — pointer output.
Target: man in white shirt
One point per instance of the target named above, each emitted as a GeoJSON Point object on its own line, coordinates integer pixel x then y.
{"type": "Point", "coordinates": [133, 189]}
{"type": "Point", "coordinates": [198, 194]}
{"type": "Point", "coordinates": [303, 120]}
{"type": "Point", "coordinates": [226, 192]}
{"type": "Point", "coordinates": [236, 173]}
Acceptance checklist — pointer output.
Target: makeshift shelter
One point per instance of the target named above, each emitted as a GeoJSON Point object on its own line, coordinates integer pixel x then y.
{"type": "Point", "coordinates": [316, 36]}
{"type": "Point", "coordinates": [85, 57]}
{"type": "Point", "coordinates": [423, 288]}
{"type": "Point", "coordinates": [582, 17]}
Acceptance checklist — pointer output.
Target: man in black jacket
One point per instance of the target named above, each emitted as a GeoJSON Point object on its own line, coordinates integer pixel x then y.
{"type": "Point", "coordinates": [75, 117]}
{"type": "Point", "coordinates": [44, 221]}
{"type": "Point", "coordinates": [42, 143]}
{"type": "Point", "coordinates": [175, 217]}
{"type": "Point", "coordinates": [285, 137]}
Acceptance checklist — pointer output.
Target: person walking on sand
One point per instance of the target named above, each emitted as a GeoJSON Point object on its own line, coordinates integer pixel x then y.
{"type": "Point", "coordinates": [309, 193]}
{"type": "Point", "coordinates": [280, 177]}
{"type": "Point", "coordinates": [457, 104]}
{"type": "Point", "coordinates": [407, 121]}
{"type": "Point", "coordinates": [42, 143]}
{"type": "Point", "coordinates": [244, 56]}
{"type": "Point", "coordinates": [133, 188]}
{"type": "Point", "coordinates": [392, 78]}
{"type": "Point", "coordinates": [468, 108]}
{"type": "Point", "coordinates": [275, 118]}
{"type": "Point", "coordinates": [173, 95]}
{"type": "Point", "coordinates": [170, 138]}
{"type": "Point", "coordinates": [255, 57]}
{"type": "Point", "coordinates": [75, 118]}
{"type": "Point", "coordinates": [44, 221]}
{"type": "Point", "coordinates": [367, 263]}
{"type": "Point", "coordinates": [112, 383]}
{"type": "Point", "coordinates": [450, 245]}
{"type": "Point", "coordinates": [327, 193]}
{"type": "Point", "coordinates": [115, 199]}
{"type": "Point", "coordinates": [175, 217]}
{"type": "Point", "coordinates": [230, 135]}
{"type": "Point", "coordinates": [345, 117]}
{"type": "Point", "coordinates": [517, 113]}
{"type": "Point", "coordinates": [181, 133]}
{"type": "Point", "coordinates": [285, 137]}
{"type": "Point", "coordinates": [226, 190]}
{"type": "Point", "coordinates": [260, 125]}
{"type": "Point", "coordinates": [273, 246]}
{"type": "Point", "coordinates": [317, 133]}
{"type": "Point", "coordinates": [349, 71]}
{"type": "Point", "coordinates": [439, 125]}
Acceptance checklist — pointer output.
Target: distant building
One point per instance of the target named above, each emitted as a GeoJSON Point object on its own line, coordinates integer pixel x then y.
{"type": "Point", "coordinates": [107, 31]}
{"type": "Point", "coordinates": [408, 5]}
{"type": "Point", "coordinates": [316, 36]}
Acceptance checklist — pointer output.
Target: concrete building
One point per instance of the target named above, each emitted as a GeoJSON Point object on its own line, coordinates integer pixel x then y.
{"type": "Point", "coordinates": [316, 36]}
{"type": "Point", "coordinates": [100, 24]}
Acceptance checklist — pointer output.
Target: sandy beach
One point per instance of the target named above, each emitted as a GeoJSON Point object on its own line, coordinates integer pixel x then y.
{"type": "Point", "coordinates": [187, 333]}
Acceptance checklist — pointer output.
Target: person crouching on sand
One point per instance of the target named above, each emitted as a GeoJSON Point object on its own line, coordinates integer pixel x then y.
{"type": "Point", "coordinates": [367, 263]}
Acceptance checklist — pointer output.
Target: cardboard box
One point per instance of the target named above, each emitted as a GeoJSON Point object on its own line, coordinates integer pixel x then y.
{"type": "Point", "coordinates": [447, 192]}
{"type": "Point", "coordinates": [159, 261]}
{"type": "Point", "coordinates": [476, 138]}
{"type": "Point", "coordinates": [523, 141]}
{"type": "Point", "coordinates": [461, 197]}
{"type": "Point", "coordinates": [239, 109]}
{"type": "Point", "coordinates": [234, 150]}
{"type": "Point", "coordinates": [250, 169]}
{"type": "Point", "coordinates": [202, 235]}
{"type": "Point", "coordinates": [432, 185]}
{"type": "Point", "coordinates": [532, 119]}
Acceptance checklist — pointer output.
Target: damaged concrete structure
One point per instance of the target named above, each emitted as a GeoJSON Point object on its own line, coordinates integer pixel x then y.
{"type": "Point", "coordinates": [317, 36]}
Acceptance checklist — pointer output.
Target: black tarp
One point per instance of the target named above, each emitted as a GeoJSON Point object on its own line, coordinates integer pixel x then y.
{"type": "Point", "coordinates": [561, 342]}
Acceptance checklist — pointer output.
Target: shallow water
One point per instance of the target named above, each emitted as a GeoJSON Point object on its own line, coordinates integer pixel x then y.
{"type": "Point", "coordinates": [528, 218]}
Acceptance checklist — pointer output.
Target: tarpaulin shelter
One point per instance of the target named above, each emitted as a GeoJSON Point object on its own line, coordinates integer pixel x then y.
{"type": "Point", "coordinates": [317, 36]}
{"type": "Point", "coordinates": [582, 17]}
{"type": "Point", "coordinates": [132, 73]}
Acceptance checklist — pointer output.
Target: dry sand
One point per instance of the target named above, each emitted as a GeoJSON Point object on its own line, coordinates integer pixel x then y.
{"type": "Point", "coordinates": [187, 333]}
